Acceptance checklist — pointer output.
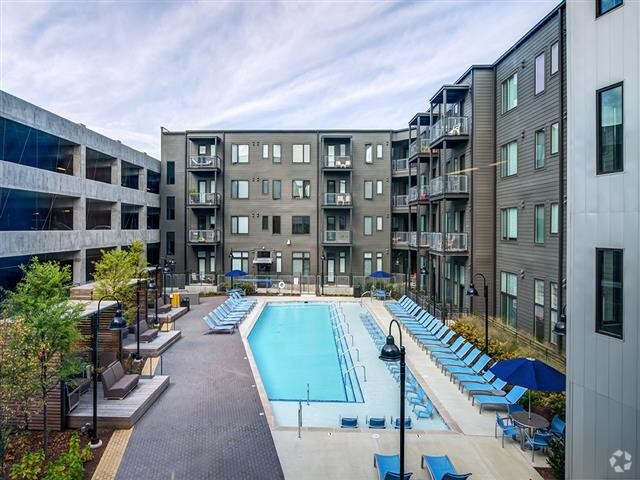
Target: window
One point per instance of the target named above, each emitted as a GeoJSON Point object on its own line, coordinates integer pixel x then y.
{"type": "Point", "coordinates": [202, 149]}
{"type": "Point", "coordinates": [555, 130]}
{"type": "Point", "coordinates": [368, 226]}
{"type": "Point", "coordinates": [265, 187]}
{"type": "Point", "coordinates": [609, 293]}
{"type": "Point", "coordinates": [265, 222]}
{"type": "Point", "coordinates": [367, 264]}
{"type": "Point", "coordinates": [302, 153]}
{"type": "Point", "coordinates": [553, 310]}
{"type": "Point", "coordinates": [276, 192]}
{"type": "Point", "coordinates": [300, 225]}
{"type": "Point", "coordinates": [555, 58]}
{"type": "Point", "coordinates": [379, 262]}
{"type": "Point", "coordinates": [510, 159]}
{"type": "Point", "coordinates": [301, 263]}
{"type": "Point", "coordinates": [265, 151]}
{"type": "Point", "coordinates": [509, 298]}
{"type": "Point", "coordinates": [240, 261]}
{"type": "Point", "coordinates": [275, 224]}
{"type": "Point", "coordinates": [240, 225]}
{"type": "Point", "coordinates": [171, 243]}
{"type": "Point", "coordinates": [604, 6]}
{"type": "Point", "coordinates": [239, 188]}
{"type": "Point", "coordinates": [538, 308]}
{"type": "Point", "coordinates": [368, 153]}
{"type": "Point", "coordinates": [277, 154]}
{"type": "Point", "coordinates": [540, 144]}
{"type": "Point", "coordinates": [509, 223]}
{"type": "Point", "coordinates": [171, 208]}
{"type": "Point", "coordinates": [342, 262]}
{"type": "Point", "coordinates": [379, 187]}
{"type": "Point", "coordinates": [555, 210]}
{"type": "Point", "coordinates": [171, 173]}
{"type": "Point", "coordinates": [610, 134]}
{"type": "Point", "coordinates": [538, 234]}
{"type": "Point", "coordinates": [379, 223]}
{"type": "Point", "coordinates": [278, 262]}
{"type": "Point", "coordinates": [539, 73]}
{"type": "Point", "coordinates": [301, 189]}
{"type": "Point", "coordinates": [378, 151]}
{"type": "Point", "coordinates": [239, 153]}
{"type": "Point", "coordinates": [510, 93]}
{"type": "Point", "coordinates": [368, 189]}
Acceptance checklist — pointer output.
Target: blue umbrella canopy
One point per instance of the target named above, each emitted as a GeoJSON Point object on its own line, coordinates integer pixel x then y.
{"type": "Point", "coordinates": [235, 273]}
{"type": "Point", "coordinates": [380, 274]}
{"type": "Point", "coordinates": [530, 373]}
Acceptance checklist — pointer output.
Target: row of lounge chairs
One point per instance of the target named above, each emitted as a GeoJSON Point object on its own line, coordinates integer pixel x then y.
{"type": "Point", "coordinates": [375, 422]}
{"type": "Point", "coordinates": [439, 467]}
{"type": "Point", "coordinates": [226, 317]}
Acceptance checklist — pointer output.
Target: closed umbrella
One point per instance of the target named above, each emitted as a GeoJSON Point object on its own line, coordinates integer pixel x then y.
{"type": "Point", "coordinates": [235, 273]}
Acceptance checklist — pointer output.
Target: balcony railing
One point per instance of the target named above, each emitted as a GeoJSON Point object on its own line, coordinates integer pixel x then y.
{"type": "Point", "coordinates": [197, 198]}
{"type": "Point", "coordinates": [400, 200]}
{"type": "Point", "coordinates": [399, 239]}
{"type": "Point", "coordinates": [449, 127]}
{"type": "Point", "coordinates": [423, 237]}
{"type": "Point", "coordinates": [337, 237]}
{"type": "Point", "coordinates": [449, 184]}
{"type": "Point", "coordinates": [421, 145]}
{"type": "Point", "coordinates": [451, 242]}
{"type": "Point", "coordinates": [204, 236]}
{"type": "Point", "coordinates": [399, 165]}
{"type": "Point", "coordinates": [337, 161]}
{"type": "Point", "coordinates": [337, 199]}
{"type": "Point", "coordinates": [204, 161]}
{"type": "Point", "coordinates": [418, 193]}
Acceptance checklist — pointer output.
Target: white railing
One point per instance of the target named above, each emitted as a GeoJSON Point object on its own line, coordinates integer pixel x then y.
{"type": "Point", "coordinates": [420, 145]}
{"type": "Point", "coordinates": [198, 198]}
{"type": "Point", "coordinates": [453, 242]}
{"type": "Point", "coordinates": [449, 184]}
{"type": "Point", "coordinates": [204, 236]}
{"type": "Point", "coordinates": [399, 165]}
{"type": "Point", "coordinates": [337, 199]}
{"type": "Point", "coordinates": [424, 239]}
{"type": "Point", "coordinates": [337, 161]}
{"type": "Point", "coordinates": [399, 200]}
{"type": "Point", "coordinates": [449, 127]}
{"type": "Point", "coordinates": [337, 236]}
{"type": "Point", "coordinates": [204, 161]}
{"type": "Point", "coordinates": [418, 193]}
{"type": "Point", "coordinates": [400, 238]}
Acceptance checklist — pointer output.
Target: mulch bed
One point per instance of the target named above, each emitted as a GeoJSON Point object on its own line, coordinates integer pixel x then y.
{"type": "Point", "coordinates": [546, 473]}
{"type": "Point", "coordinates": [58, 443]}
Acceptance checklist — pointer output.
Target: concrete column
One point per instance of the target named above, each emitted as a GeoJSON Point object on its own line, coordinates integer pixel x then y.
{"type": "Point", "coordinates": [80, 161]}
{"type": "Point", "coordinates": [115, 216]}
{"type": "Point", "coordinates": [142, 179]}
{"type": "Point", "coordinates": [80, 213]}
{"type": "Point", "coordinates": [116, 168]}
{"type": "Point", "coordinates": [142, 218]}
{"type": "Point", "coordinates": [80, 267]}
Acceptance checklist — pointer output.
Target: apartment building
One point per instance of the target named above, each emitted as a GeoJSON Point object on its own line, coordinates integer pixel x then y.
{"type": "Point", "coordinates": [67, 192]}
{"type": "Point", "coordinates": [603, 249]}
{"type": "Point", "coordinates": [277, 202]}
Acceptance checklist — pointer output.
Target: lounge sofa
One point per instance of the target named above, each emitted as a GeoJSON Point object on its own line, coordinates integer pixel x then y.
{"type": "Point", "coordinates": [146, 334]}
{"type": "Point", "coordinates": [116, 384]}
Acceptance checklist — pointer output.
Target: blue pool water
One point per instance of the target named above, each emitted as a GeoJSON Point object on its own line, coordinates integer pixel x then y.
{"type": "Point", "coordinates": [294, 346]}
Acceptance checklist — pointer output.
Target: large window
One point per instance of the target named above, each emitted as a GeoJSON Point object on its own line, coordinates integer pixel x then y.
{"type": "Point", "coordinates": [540, 148]}
{"type": "Point", "coordinates": [555, 137]}
{"type": "Point", "coordinates": [239, 153]}
{"type": "Point", "coordinates": [367, 264]}
{"type": "Point", "coordinates": [610, 134]}
{"type": "Point", "coordinates": [240, 260]}
{"type": "Point", "coordinates": [171, 243]}
{"type": "Point", "coordinates": [278, 262]}
{"type": "Point", "coordinates": [540, 73]}
{"type": "Point", "coordinates": [276, 191]}
{"type": "Point", "coordinates": [368, 153]}
{"type": "Point", "coordinates": [553, 310]}
{"type": "Point", "coordinates": [379, 223]}
{"type": "Point", "coordinates": [379, 186]}
{"type": "Point", "coordinates": [509, 159]}
{"type": "Point", "coordinates": [301, 263]}
{"type": "Point", "coordinates": [538, 308]}
{"type": "Point", "coordinates": [171, 173]}
{"type": "Point", "coordinates": [509, 223]}
{"type": "Point", "coordinates": [265, 187]}
{"type": "Point", "coordinates": [368, 189]}
{"type": "Point", "coordinates": [277, 153]}
{"type": "Point", "coordinates": [265, 151]}
{"type": "Point", "coordinates": [239, 188]}
{"type": "Point", "coordinates": [368, 226]}
{"type": "Point", "coordinates": [379, 151]}
{"type": "Point", "coordinates": [301, 153]}
{"type": "Point", "coordinates": [555, 211]}
{"type": "Point", "coordinates": [555, 57]}
{"type": "Point", "coordinates": [240, 225]}
{"type": "Point", "coordinates": [300, 225]}
{"type": "Point", "coordinates": [301, 188]}
{"type": "Point", "coordinates": [538, 227]}
{"type": "Point", "coordinates": [275, 224]}
{"type": "Point", "coordinates": [265, 222]}
{"type": "Point", "coordinates": [509, 298]}
{"type": "Point", "coordinates": [609, 293]}
{"type": "Point", "coordinates": [604, 6]}
{"type": "Point", "coordinates": [510, 93]}
{"type": "Point", "coordinates": [379, 262]}
{"type": "Point", "coordinates": [171, 208]}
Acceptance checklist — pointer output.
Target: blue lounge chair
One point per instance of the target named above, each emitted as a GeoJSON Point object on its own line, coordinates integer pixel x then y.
{"type": "Point", "coordinates": [443, 342]}
{"type": "Point", "coordinates": [539, 440]}
{"type": "Point", "coordinates": [478, 366]}
{"type": "Point", "coordinates": [438, 332]}
{"type": "Point", "coordinates": [389, 467]}
{"type": "Point", "coordinates": [447, 348]}
{"type": "Point", "coordinates": [377, 422]}
{"type": "Point", "coordinates": [407, 423]}
{"type": "Point", "coordinates": [217, 321]}
{"type": "Point", "coordinates": [348, 422]}
{"type": "Point", "coordinates": [213, 328]}
{"type": "Point", "coordinates": [226, 312]}
{"type": "Point", "coordinates": [506, 427]}
{"type": "Point", "coordinates": [441, 468]}
{"type": "Point", "coordinates": [486, 377]}
{"type": "Point", "coordinates": [224, 318]}
{"type": "Point", "coordinates": [483, 388]}
{"type": "Point", "coordinates": [461, 352]}
{"type": "Point", "coordinates": [514, 408]}
{"type": "Point", "coordinates": [424, 410]}
{"type": "Point", "coordinates": [512, 397]}
{"type": "Point", "coordinates": [460, 362]}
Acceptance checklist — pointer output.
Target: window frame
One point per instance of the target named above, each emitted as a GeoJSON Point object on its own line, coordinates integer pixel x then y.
{"type": "Point", "coordinates": [236, 147]}
{"type": "Point", "coordinates": [307, 224]}
{"type": "Point", "coordinates": [275, 222]}
{"type": "Point", "coordinates": [274, 147]}
{"type": "Point", "coordinates": [379, 187]}
{"type": "Point", "coordinates": [274, 182]}
{"type": "Point", "coordinates": [171, 173]}
{"type": "Point", "coordinates": [379, 151]}
{"type": "Point", "coordinates": [554, 312]}
{"type": "Point", "coordinates": [554, 206]}
{"type": "Point", "coordinates": [537, 133]}
{"type": "Point", "coordinates": [504, 168]}
{"type": "Point", "coordinates": [555, 45]}
{"type": "Point", "coordinates": [171, 210]}
{"type": "Point", "coordinates": [598, 294]}
{"type": "Point", "coordinates": [544, 73]}
{"type": "Point", "coordinates": [237, 197]}
{"type": "Point", "coordinates": [599, 170]}
{"type": "Point", "coordinates": [364, 192]}
{"type": "Point", "coordinates": [265, 222]}
{"type": "Point", "coordinates": [504, 109]}
{"type": "Point", "coordinates": [505, 223]}
{"type": "Point", "coordinates": [306, 153]}
{"type": "Point", "coordinates": [536, 305]}
{"type": "Point", "coordinates": [555, 126]}
{"type": "Point", "coordinates": [368, 218]}
{"type": "Point", "coordinates": [265, 151]}
{"type": "Point", "coordinates": [379, 223]}
{"type": "Point", "coordinates": [235, 229]}
{"type": "Point", "coordinates": [265, 182]}
{"type": "Point", "coordinates": [599, 11]}
{"type": "Point", "coordinates": [368, 153]}
{"type": "Point", "coordinates": [306, 192]}
{"type": "Point", "coordinates": [539, 229]}
{"type": "Point", "coordinates": [504, 292]}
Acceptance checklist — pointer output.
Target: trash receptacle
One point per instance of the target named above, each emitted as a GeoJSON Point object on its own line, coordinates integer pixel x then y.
{"type": "Point", "coordinates": [175, 300]}
{"type": "Point", "coordinates": [357, 291]}
{"type": "Point", "coordinates": [185, 301]}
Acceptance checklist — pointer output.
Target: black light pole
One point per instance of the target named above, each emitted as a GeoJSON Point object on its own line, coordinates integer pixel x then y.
{"type": "Point", "coordinates": [137, 355]}
{"type": "Point", "coordinates": [473, 292]}
{"type": "Point", "coordinates": [153, 286]}
{"type": "Point", "coordinates": [560, 328]}
{"type": "Point", "coordinates": [322, 259]}
{"type": "Point", "coordinates": [231, 267]}
{"type": "Point", "coordinates": [118, 323]}
{"type": "Point", "coordinates": [165, 270]}
{"type": "Point", "coordinates": [391, 353]}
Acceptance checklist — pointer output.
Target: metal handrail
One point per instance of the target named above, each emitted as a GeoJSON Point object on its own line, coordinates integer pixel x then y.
{"type": "Point", "coordinates": [364, 371]}
{"type": "Point", "coordinates": [348, 350]}
{"type": "Point", "coordinates": [337, 340]}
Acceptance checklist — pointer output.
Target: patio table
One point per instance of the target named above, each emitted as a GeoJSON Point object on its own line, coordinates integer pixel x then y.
{"type": "Point", "coordinates": [536, 422]}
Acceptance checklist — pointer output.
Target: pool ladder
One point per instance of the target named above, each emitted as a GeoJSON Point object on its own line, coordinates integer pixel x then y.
{"type": "Point", "coordinates": [364, 371]}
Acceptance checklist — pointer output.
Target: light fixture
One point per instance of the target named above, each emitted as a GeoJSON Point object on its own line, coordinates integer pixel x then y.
{"type": "Point", "coordinates": [118, 322]}
{"type": "Point", "coordinates": [390, 351]}
{"type": "Point", "coordinates": [472, 291]}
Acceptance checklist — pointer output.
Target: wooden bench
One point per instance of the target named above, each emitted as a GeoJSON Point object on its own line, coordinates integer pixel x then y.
{"type": "Point", "coordinates": [116, 384]}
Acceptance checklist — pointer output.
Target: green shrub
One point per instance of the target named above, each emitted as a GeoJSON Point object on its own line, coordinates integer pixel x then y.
{"type": "Point", "coordinates": [555, 457]}
{"type": "Point", "coordinates": [31, 467]}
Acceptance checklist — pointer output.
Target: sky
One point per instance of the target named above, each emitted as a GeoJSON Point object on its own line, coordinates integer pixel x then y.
{"type": "Point", "coordinates": [127, 68]}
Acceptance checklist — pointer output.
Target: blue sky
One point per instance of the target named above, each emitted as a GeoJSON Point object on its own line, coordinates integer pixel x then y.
{"type": "Point", "coordinates": [126, 68]}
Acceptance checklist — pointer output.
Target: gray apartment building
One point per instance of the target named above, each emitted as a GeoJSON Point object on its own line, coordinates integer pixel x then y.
{"type": "Point", "coordinates": [67, 192]}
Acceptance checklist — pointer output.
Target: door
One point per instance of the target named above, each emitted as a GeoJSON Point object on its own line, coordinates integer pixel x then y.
{"type": "Point", "coordinates": [202, 222]}
{"type": "Point", "coordinates": [331, 223]}
{"type": "Point", "coordinates": [331, 155]}
{"type": "Point", "coordinates": [331, 186]}
{"type": "Point", "coordinates": [331, 270]}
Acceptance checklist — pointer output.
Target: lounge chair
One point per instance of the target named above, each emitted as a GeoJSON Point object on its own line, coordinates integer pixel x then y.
{"type": "Point", "coordinates": [486, 377]}
{"type": "Point", "coordinates": [507, 428]}
{"type": "Point", "coordinates": [557, 427]}
{"type": "Point", "coordinates": [466, 361]}
{"type": "Point", "coordinates": [213, 328]}
{"type": "Point", "coordinates": [407, 423]}
{"type": "Point", "coordinates": [478, 366]}
{"type": "Point", "coordinates": [348, 422]}
{"type": "Point", "coordinates": [461, 352]}
{"type": "Point", "coordinates": [389, 467]}
{"type": "Point", "coordinates": [483, 388]}
{"type": "Point", "coordinates": [441, 468]}
{"type": "Point", "coordinates": [539, 440]}
{"type": "Point", "coordinates": [443, 342]}
{"type": "Point", "coordinates": [424, 410]}
{"type": "Point", "coordinates": [512, 397]}
{"type": "Point", "coordinates": [377, 422]}
{"type": "Point", "coordinates": [446, 348]}
{"type": "Point", "coordinates": [223, 316]}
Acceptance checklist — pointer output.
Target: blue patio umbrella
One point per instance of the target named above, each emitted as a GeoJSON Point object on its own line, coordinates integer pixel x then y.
{"type": "Point", "coordinates": [530, 373]}
{"type": "Point", "coordinates": [235, 273]}
{"type": "Point", "coordinates": [380, 274]}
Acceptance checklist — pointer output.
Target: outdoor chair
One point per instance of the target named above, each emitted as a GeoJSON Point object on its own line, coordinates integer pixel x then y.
{"type": "Point", "coordinates": [147, 334]}
{"type": "Point", "coordinates": [116, 385]}
{"type": "Point", "coordinates": [377, 422]}
{"type": "Point", "coordinates": [477, 388]}
{"type": "Point", "coordinates": [389, 467]}
{"type": "Point", "coordinates": [453, 355]}
{"type": "Point", "coordinates": [557, 427]}
{"type": "Point", "coordinates": [407, 423]}
{"type": "Point", "coordinates": [214, 328]}
{"type": "Point", "coordinates": [506, 426]}
{"type": "Point", "coordinates": [423, 410]}
{"type": "Point", "coordinates": [512, 397]}
{"type": "Point", "coordinates": [348, 422]}
{"type": "Point", "coordinates": [441, 468]}
{"type": "Point", "coordinates": [478, 366]}
{"type": "Point", "coordinates": [539, 440]}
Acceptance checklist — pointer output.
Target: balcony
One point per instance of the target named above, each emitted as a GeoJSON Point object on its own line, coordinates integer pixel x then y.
{"type": "Point", "coordinates": [337, 162]}
{"type": "Point", "coordinates": [418, 194]}
{"type": "Point", "coordinates": [450, 243]}
{"type": "Point", "coordinates": [204, 162]}
{"type": "Point", "coordinates": [420, 146]}
{"type": "Point", "coordinates": [399, 201]}
{"type": "Point", "coordinates": [204, 236]}
{"type": "Point", "coordinates": [400, 239]}
{"type": "Point", "coordinates": [452, 186]}
{"type": "Point", "coordinates": [399, 166]}
{"type": "Point", "coordinates": [336, 237]}
{"type": "Point", "coordinates": [200, 199]}
{"type": "Point", "coordinates": [263, 257]}
{"type": "Point", "coordinates": [450, 129]}
{"type": "Point", "coordinates": [422, 236]}
{"type": "Point", "coordinates": [337, 200]}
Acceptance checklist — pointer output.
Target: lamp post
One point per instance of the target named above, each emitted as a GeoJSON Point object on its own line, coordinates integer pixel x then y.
{"type": "Point", "coordinates": [323, 259]}
{"type": "Point", "coordinates": [153, 286]}
{"type": "Point", "coordinates": [231, 266]}
{"type": "Point", "coordinates": [165, 271]}
{"type": "Point", "coordinates": [560, 328]}
{"type": "Point", "coordinates": [391, 353]}
{"type": "Point", "coordinates": [473, 292]}
{"type": "Point", "coordinates": [117, 323]}
{"type": "Point", "coordinates": [136, 357]}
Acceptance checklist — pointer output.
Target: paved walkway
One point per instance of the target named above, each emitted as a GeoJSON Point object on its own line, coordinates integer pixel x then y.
{"type": "Point", "coordinates": [207, 425]}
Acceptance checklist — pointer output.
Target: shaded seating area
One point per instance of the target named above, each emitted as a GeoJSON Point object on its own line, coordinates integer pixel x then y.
{"type": "Point", "coordinates": [116, 385]}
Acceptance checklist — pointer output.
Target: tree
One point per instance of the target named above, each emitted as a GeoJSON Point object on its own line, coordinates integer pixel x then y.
{"type": "Point", "coordinates": [50, 320]}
